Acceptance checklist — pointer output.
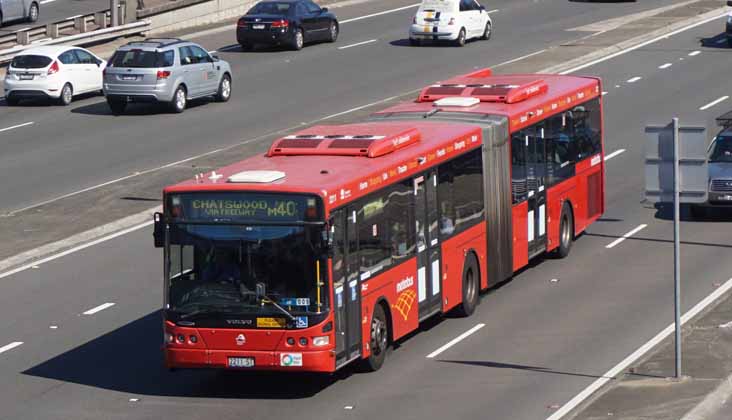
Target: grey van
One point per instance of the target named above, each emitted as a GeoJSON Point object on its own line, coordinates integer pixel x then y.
{"type": "Point", "coordinates": [167, 70]}
{"type": "Point", "coordinates": [18, 10]}
{"type": "Point", "coordinates": [720, 169]}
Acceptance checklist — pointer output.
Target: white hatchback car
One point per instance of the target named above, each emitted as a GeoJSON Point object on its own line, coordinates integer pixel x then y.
{"type": "Point", "coordinates": [450, 20]}
{"type": "Point", "coordinates": [53, 72]}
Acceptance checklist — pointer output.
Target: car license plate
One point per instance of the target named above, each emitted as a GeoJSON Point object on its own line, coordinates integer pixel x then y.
{"type": "Point", "coordinates": [129, 77]}
{"type": "Point", "coordinates": [26, 77]}
{"type": "Point", "coordinates": [241, 362]}
{"type": "Point", "coordinates": [257, 26]}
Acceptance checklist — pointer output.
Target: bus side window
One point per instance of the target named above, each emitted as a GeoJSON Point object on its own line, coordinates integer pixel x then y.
{"type": "Point", "coordinates": [518, 167]}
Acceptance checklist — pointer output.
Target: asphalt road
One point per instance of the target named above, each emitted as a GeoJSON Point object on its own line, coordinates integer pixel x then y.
{"type": "Point", "coordinates": [67, 149]}
{"type": "Point", "coordinates": [542, 342]}
{"type": "Point", "coordinates": [57, 10]}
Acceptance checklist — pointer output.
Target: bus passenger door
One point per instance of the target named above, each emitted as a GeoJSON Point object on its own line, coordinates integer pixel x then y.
{"type": "Point", "coordinates": [429, 292]}
{"type": "Point", "coordinates": [346, 287]}
{"type": "Point", "coordinates": [536, 189]}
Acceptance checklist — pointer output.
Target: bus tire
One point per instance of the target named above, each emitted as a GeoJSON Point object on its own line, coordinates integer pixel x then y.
{"type": "Point", "coordinates": [471, 287]}
{"type": "Point", "coordinates": [566, 232]}
{"type": "Point", "coordinates": [378, 341]}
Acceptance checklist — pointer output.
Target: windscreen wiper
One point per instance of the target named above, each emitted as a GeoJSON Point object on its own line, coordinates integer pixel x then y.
{"type": "Point", "coordinates": [267, 299]}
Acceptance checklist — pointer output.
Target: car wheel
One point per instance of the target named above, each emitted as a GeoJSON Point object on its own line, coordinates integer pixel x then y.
{"type": "Point", "coordinates": [298, 40]}
{"type": "Point", "coordinates": [414, 42]}
{"type": "Point", "coordinates": [224, 92]}
{"type": "Point", "coordinates": [487, 31]}
{"type": "Point", "coordinates": [333, 32]}
{"type": "Point", "coordinates": [178, 104]}
{"type": "Point", "coordinates": [379, 340]}
{"type": "Point", "coordinates": [67, 94]}
{"type": "Point", "coordinates": [460, 41]}
{"type": "Point", "coordinates": [117, 106]}
{"type": "Point", "coordinates": [12, 100]}
{"type": "Point", "coordinates": [33, 12]}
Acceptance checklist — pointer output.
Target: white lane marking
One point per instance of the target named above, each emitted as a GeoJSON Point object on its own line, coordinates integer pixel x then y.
{"type": "Point", "coordinates": [16, 126]}
{"type": "Point", "coordinates": [634, 79]}
{"type": "Point", "coordinates": [10, 346]}
{"type": "Point", "coordinates": [358, 108]}
{"type": "Point", "coordinates": [379, 13]}
{"type": "Point", "coordinates": [714, 102]}
{"type": "Point", "coordinates": [642, 350]}
{"type": "Point", "coordinates": [721, 41]}
{"type": "Point", "coordinates": [519, 58]}
{"type": "Point", "coordinates": [665, 66]}
{"type": "Point", "coordinates": [693, 53]}
{"type": "Point", "coordinates": [604, 92]}
{"type": "Point", "coordinates": [626, 236]}
{"type": "Point", "coordinates": [212, 52]}
{"type": "Point", "coordinates": [642, 44]}
{"type": "Point", "coordinates": [494, 11]}
{"type": "Point", "coordinates": [99, 308]}
{"type": "Point", "coordinates": [47, 1]}
{"type": "Point", "coordinates": [75, 249]}
{"type": "Point", "coordinates": [613, 154]}
{"type": "Point", "coordinates": [456, 340]}
{"type": "Point", "coordinates": [370, 41]}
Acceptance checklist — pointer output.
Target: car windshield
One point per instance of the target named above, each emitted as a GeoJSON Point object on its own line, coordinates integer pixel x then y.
{"type": "Point", "coordinates": [30, 61]}
{"type": "Point", "coordinates": [220, 268]}
{"type": "Point", "coordinates": [270, 8]}
{"type": "Point", "coordinates": [721, 150]}
{"type": "Point", "coordinates": [142, 59]}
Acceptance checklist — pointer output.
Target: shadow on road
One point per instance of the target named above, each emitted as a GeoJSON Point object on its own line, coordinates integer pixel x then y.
{"type": "Point", "coordinates": [428, 43]}
{"type": "Point", "coordinates": [539, 369]}
{"type": "Point", "coordinates": [129, 360]}
{"type": "Point", "coordinates": [665, 211]}
{"type": "Point", "coordinates": [717, 41]}
{"type": "Point", "coordinates": [135, 109]}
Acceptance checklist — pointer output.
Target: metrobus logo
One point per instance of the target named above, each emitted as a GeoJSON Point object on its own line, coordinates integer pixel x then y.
{"type": "Point", "coordinates": [405, 284]}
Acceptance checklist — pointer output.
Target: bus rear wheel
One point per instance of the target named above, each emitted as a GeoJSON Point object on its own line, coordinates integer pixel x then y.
{"type": "Point", "coordinates": [471, 287]}
{"type": "Point", "coordinates": [379, 341]}
{"type": "Point", "coordinates": [566, 232]}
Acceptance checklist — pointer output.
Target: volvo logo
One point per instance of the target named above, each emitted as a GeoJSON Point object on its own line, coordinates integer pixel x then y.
{"type": "Point", "coordinates": [240, 340]}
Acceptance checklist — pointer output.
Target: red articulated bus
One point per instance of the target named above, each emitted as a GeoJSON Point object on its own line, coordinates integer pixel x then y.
{"type": "Point", "coordinates": [342, 238]}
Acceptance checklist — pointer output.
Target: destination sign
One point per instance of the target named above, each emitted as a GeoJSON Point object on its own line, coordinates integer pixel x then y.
{"type": "Point", "coordinates": [243, 207]}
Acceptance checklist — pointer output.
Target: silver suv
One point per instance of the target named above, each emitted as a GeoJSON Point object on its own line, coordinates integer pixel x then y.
{"type": "Point", "coordinates": [18, 9]}
{"type": "Point", "coordinates": [166, 70]}
{"type": "Point", "coordinates": [720, 169]}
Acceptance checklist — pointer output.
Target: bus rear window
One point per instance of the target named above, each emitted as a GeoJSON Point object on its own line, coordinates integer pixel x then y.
{"type": "Point", "coordinates": [142, 59]}
{"type": "Point", "coordinates": [30, 61]}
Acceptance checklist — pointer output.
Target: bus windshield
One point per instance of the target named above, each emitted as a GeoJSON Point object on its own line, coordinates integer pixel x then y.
{"type": "Point", "coordinates": [247, 254]}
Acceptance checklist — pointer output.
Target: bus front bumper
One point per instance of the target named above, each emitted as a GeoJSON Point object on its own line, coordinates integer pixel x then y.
{"type": "Point", "coordinates": [300, 361]}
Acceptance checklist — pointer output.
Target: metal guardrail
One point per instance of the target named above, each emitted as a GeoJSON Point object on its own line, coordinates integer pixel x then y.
{"type": "Point", "coordinates": [81, 38]}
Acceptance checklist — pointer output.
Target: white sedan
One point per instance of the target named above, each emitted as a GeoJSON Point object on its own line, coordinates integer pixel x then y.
{"type": "Point", "coordinates": [53, 72]}
{"type": "Point", "coordinates": [450, 20]}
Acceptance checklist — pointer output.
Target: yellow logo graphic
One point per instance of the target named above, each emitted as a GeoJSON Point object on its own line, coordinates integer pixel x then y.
{"type": "Point", "coordinates": [404, 302]}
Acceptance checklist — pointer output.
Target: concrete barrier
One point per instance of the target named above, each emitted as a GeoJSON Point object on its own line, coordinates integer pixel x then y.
{"type": "Point", "coordinates": [198, 15]}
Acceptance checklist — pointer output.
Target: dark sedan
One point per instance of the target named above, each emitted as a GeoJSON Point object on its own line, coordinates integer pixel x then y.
{"type": "Point", "coordinates": [291, 23]}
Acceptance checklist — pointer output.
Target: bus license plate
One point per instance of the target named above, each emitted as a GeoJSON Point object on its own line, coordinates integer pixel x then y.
{"type": "Point", "coordinates": [257, 26]}
{"type": "Point", "coordinates": [241, 362]}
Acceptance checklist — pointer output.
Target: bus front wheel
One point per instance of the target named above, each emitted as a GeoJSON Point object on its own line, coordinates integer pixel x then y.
{"type": "Point", "coordinates": [379, 341]}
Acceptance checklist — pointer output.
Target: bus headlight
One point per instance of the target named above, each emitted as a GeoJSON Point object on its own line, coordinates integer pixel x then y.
{"type": "Point", "coordinates": [321, 341]}
{"type": "Point", "coordinates": [169, 338]}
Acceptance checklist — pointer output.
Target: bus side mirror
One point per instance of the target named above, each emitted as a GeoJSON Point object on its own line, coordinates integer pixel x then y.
{"type": "Point", "coordinates": [158, 230]}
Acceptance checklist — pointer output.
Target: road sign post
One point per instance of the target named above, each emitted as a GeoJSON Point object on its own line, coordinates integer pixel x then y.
{"type": "Point", "coordinates": [676, 171]}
